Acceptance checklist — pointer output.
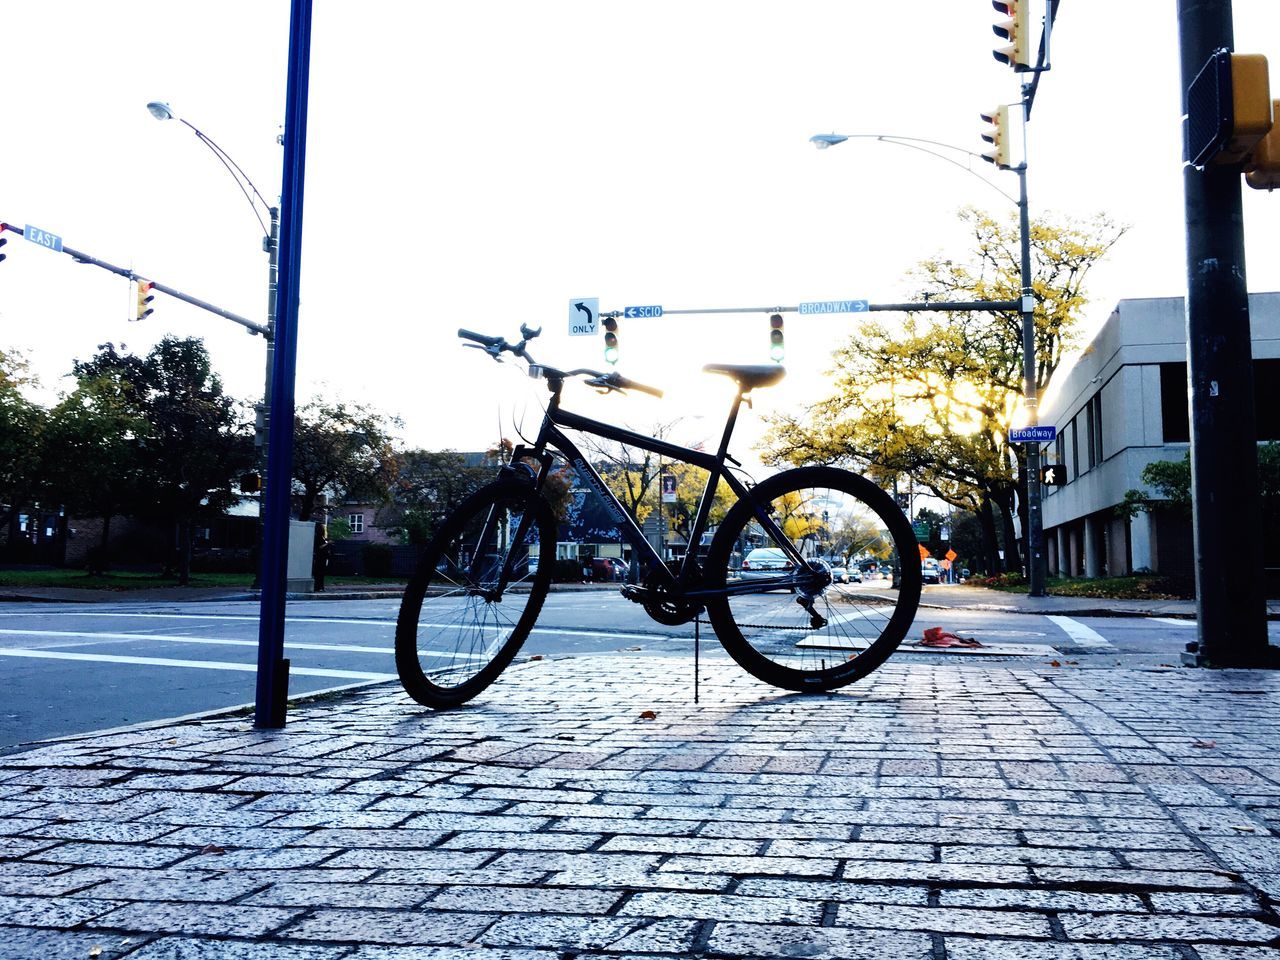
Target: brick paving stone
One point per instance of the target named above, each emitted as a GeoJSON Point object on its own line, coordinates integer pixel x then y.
{"type": "Point", "coordinates": [1208, 952]}
{"type": "Point", "coordinates": [113, 855]}
{"type": "Point", "coordinates": [19, 943]}
{"type": "Point", "coordinates": [1043, 900]}
{"type": "Point", "coordinates": [409, 859]}
{"type": "Point", "coordinates": [454, 953]}
{"type": "Point", "coordinates": [818, 943]}
{"type": "Point", "coordinates": [1207, 903]}
{"type": "Point", "coordinates": [181, 948]}
{"type": "Point", "coordinates": [1140, 879]}
{"type": "Point", "coordinates": [43, 912]}
{"type": "Point", "coordinates": [507, 899]}
{"type": "Point", "coordinates": [855, 850]}
{"type": "Point", "coordinates": [563, 933]}
{"type": "Point", "coordinates": [986, 949]}
{"type": "Point", "coordinates": [746, 909]}
{"type": "Point", "coordinates": [943, 920]}
{"type": "Point", "coordinates": [398, 927]}
{"type": "Point", "coordinates": [205, 919]}
{"type": "Point", "coordinates": [834, 891]}
{"type": "Point", "coordinates": [288, 892]}
{"type": "Point", "coordinates": [1120, 926]}
{"type": "Point", "coordinates": [1035, 856]}
{"type": "Point", "coordinates": [567, 842]}
{"type": "Point", "coordinates": [193, 885]}
{"type": "Point", "coordinates": [787, 866]}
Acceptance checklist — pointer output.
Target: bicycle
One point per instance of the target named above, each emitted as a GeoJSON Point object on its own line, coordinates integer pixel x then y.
{"type": "Point", "coordinates": [480, 584]}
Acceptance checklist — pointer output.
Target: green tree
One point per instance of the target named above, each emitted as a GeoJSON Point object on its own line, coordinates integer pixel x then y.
{"type": "Point", "coordinates": [342, 451]}
{"type": "Point", "coordinates": [92, 454]}
{"type": "Point", "coordinates": [429, 485]}
{"type": "Point", "coordinates": [22, 424]}
{"type": "Point", "coordinates": [934, 396]}
{"type": "Point", "coordinates": [196, 442]}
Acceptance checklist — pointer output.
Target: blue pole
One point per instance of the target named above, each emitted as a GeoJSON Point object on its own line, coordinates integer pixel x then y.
{"type": "Point", "coordinates": [273, 669]}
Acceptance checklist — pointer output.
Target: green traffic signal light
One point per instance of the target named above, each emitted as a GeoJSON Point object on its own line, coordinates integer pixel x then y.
{"type": "Point", "coordinates": [611, 340]}
{"type": "Point", "coordinates": [777, 348]}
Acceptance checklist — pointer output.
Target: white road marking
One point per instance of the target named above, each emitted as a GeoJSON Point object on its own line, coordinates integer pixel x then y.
{"type": "Point", "coordinates": [190, 664]}
{"type": "Point", "coordinates": [177, 638]}
{"type": "Point", "coordinates": [564, 631]}
{"type": "Point", "coordinates": [1172, 622]}
{"type": "Point", "coordinates": [1081, 635]}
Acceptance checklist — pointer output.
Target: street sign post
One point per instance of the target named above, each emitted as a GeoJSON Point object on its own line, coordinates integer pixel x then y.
{"type": "Point", "coordinates": [633, 313]}
{"type": "Point", "coordinates": [1033, 434]}
{"type": "Point", "coordinates": [43, 238]}
{"type": "Point", "coordinates": [584, 316]}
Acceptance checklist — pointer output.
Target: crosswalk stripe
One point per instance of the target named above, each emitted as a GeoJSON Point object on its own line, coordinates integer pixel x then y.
{"type": "Point", "coordinates": [1081, 635]}
{"type": "Point", "coordinates": [189, 664]}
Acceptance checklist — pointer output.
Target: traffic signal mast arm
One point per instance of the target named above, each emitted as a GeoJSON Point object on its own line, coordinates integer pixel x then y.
{"type": "Point", "coordinates": [81, 257]}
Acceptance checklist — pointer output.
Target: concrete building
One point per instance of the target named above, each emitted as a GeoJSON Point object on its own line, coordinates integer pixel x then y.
{"type": "Point", "coordinates": [1123, 405]}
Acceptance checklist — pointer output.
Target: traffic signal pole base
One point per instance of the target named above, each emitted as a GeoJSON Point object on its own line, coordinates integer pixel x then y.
{"type": "Point", "coordinates": [1267, 658]}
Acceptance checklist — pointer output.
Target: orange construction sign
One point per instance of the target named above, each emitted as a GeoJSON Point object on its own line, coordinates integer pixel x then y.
{"type": "Point", "coordinates": [924, 553]}
{"type": "Point", "coordinates": [951, 554]}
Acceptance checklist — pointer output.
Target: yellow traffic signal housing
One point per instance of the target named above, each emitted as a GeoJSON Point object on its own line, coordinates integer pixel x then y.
{"type": "Point", "coordinates": [1016, 29]}
{"type": "Point", "coordinates": [145, 296]}
{"type": "Point", "coordinates": [1251, 107]}
{"type": "Point", "coordinates": [998, 136]}
{"type": "Point", "coordinates": [777, 346]}
{"type": "Point", "coordinates": [1262, 171]}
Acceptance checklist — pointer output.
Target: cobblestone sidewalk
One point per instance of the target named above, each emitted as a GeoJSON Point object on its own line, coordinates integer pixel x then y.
{"type": "Point", "coordinates": [588, 808]}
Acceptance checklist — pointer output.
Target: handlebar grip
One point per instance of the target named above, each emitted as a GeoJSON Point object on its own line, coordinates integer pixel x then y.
{"type": "Point", "coordinates": [626, 384]}
{"type": "Point", "coordinates": [480, 338]}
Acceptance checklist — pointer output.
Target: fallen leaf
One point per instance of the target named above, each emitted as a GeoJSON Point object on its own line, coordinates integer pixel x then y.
{"type": "Point", "coordinates": [564, 736]}
{"type": "Point", "coordinates": [536, 656]}
{"type": "Point", "coordinates": [1072, 663]}
{"type": "Point", "coordinates": [631, 649]}
{"type": "Point", "coordinates": [95, 951]}
{"type": "Point", "coordinates": [1205, 744]}
{"type": "Point", "coordinates": [214, 849]}
{"type": "Point", "coordinates": [1244, 829]}
{"type": "Point", "coordinates": [1054, 663]}
{"type": "Point", "coordinates": [648, 715]}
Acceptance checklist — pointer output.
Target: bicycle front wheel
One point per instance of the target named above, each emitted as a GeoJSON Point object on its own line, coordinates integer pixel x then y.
{"type": "Point", "coordinates": [476, 594]}
{"type": "Point", "coordinates": [794, 626]}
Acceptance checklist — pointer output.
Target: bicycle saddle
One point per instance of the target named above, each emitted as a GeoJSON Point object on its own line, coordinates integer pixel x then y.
{"type": "Point", "coordinates": [748, 376]}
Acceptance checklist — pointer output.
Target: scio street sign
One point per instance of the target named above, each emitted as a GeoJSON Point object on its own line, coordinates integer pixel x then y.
{"type": "Point", "coordinates": [43, 237]}
{"type": "Point", "coordinates": [634, 312]}
{"type": "Point", "coordinates": [584, 316]}
{"type": "Point", "coordinates": [835, 306]}
{"type": "Point", "coordinates": [1033, 434]}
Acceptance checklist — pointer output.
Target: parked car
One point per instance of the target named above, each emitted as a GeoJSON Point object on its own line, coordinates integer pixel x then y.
{"type": "Point", "coordinates": [608, 569]}
{"type": "Point", "coordinates": [931, 572]}
{"type": "Point", "coordinates": [765, 562]}
{"type": "Point", "coordinates": [843, 574]}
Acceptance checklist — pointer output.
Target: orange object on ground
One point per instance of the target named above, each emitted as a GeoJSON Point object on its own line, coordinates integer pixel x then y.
{"type": "Point", "coordinates": [937, 637]}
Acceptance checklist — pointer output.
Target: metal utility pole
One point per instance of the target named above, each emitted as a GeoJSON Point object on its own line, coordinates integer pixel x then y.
{"type": "Point", "coordinates": [1224, 453]}
{"type": "Point", "coordinates": [272, 694]}
{"type": "Point", "coordinates": [1037, 562]}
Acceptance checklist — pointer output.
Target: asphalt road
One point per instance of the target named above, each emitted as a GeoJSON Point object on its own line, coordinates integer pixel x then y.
{"type": "Point", "coordinates": [76, 668]}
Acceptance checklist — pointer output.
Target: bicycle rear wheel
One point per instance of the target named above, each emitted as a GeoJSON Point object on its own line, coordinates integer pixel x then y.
{"type": "Point", "coordinates": [848, 629]}
{"type": "Point", "coordinates": [459, 624]}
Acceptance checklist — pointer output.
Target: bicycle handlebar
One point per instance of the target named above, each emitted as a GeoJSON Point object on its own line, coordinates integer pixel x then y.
{"type": "Point", "coordinates": [494, 346]}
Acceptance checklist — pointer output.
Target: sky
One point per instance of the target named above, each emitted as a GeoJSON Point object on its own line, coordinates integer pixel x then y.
{"type": "Point", "coordinates": [480, 164]}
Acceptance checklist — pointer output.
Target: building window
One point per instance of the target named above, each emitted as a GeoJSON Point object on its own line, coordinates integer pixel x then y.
{"type": "Point", "coordinates": [1095, 422]}
{"type": "Point", "coordinates": [1266, 398]}
{"type": "Point", "coordinates": [356, 520]}
{"type": "Point", "coordinates": [1173, 403]}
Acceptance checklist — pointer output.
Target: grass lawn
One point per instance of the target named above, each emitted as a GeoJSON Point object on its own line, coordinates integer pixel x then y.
{"type": "Point", "coordinates": [1116, 588]}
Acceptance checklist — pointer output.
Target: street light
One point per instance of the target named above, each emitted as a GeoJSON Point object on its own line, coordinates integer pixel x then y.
{"type": "Point", "coordinates": [270, 245]}
{"type": "Point", "coordinates": [1037, 565]}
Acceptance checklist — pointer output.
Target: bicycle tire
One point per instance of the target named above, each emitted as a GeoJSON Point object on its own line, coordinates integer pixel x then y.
{"type": "Point", "coordinates": [770, 634]}
{"type": "Point", "coordinates": [454, 635]}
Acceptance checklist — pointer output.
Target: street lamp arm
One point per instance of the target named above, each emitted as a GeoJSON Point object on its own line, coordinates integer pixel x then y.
{"type": "Point", "coordinates": [241, 178]}
{"type": "Point", "coordinates": [823, 140]}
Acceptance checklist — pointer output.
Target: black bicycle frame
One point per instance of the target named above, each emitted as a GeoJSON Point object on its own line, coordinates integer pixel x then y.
{"type": "Point", "coordinates": [550, 435]}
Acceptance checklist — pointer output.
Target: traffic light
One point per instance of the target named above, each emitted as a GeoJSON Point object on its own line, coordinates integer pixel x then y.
{"type": "Point", "coordinates": [145, 296]}
{"type": "Point", "coordinates": [997, 134]}
{"type": "Point", "coordinates": [1053, 474]}
{"type": "Point", "coordinates": [777, 349]}
{"type": "Point", "coordinates": [611, 339]}
{"type": "Point", "coordinates": [1015, 28]}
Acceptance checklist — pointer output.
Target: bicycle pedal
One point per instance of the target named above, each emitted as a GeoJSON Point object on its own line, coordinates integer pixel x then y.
{"type": "Point", "coordinates": [634, 592]}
